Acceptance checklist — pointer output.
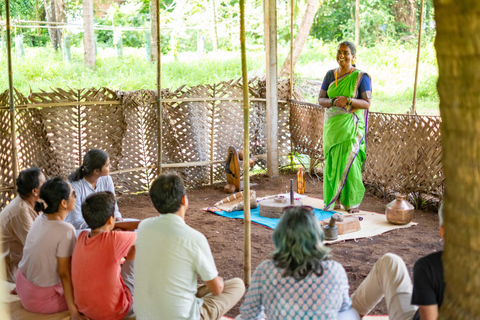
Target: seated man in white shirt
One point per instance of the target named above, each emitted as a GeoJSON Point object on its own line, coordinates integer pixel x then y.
{"type": "Point", "coordinates": [169, 257]}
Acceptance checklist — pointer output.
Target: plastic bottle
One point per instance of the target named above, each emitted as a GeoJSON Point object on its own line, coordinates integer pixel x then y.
{"type": "Point", "coordinates": [301, 181]}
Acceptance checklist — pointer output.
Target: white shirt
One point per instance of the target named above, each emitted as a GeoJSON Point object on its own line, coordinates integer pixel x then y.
{"type": "Point", "coordinates": [83, 188]}
{"type": "Point", "coordinates": [169, 256]}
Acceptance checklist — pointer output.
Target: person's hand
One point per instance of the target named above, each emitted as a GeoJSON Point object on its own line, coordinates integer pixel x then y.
{"type": "Point", "coordinates": [341, 101]}
{"type": "Point", "coordinates": [78, 316]}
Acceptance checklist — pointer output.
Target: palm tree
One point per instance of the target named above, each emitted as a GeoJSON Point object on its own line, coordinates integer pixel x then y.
{"type": "Point", "coordinates": [457, 44]}
{"type": "Point", "coordinates": [301, 38]}
{"type": "Point", "coordinates": [88, 33]}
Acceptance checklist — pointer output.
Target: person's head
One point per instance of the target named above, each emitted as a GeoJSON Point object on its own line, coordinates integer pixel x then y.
{"type": "Point", "coordinates": [298, 241]}
{"type": "Point", "coordinates": [56, 195]}
{"type": "Point", "coordinates": [346, 54]}
{"type": "Point", "coordinates": [29, 182]}
{"type": "Point", "coordinates": [168, 194]}
{"type": "Point", "coordinates": [96, 162]}
{"type": "Point", "coordinates": [98, 209]}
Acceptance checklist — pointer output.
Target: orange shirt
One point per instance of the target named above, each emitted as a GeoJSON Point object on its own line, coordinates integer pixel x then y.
{"type": "Point", "coordinates": [97, 284]}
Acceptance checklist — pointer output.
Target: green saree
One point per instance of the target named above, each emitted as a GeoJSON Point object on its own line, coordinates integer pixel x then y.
{"type": "Point", "coordinates": [344, 146]}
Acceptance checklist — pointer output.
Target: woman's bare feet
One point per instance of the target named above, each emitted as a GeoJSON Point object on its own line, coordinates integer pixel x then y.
{"type": "Point", "coordinates": [338, 205]}
{"type": "Point", "coordinates": [354, 210]}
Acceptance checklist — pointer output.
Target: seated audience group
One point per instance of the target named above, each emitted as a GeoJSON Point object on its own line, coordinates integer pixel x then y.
{"type": "Point", "coordinates": [66, 247]}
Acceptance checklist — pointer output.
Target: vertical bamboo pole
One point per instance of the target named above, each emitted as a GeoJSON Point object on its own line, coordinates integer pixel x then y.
{"type": "Point", "coordinates": [212, 135]}
{"type": "Point", "coordinates": [272, 87]}
{"type": "Point", "coordinates": [79, 127]}
{"type": "Point", "coordinates": [418, 59]}
{"type": "Point", "coordinates": [10, 99]}
{"type": "Point", "coordinates": [247, 267]}
{"type": "Point", "coordinates": [291, 49]}
{"type": "Point", "coordinates": [159, 94]}
{"type": "Point", "coordinates": [291, 73]}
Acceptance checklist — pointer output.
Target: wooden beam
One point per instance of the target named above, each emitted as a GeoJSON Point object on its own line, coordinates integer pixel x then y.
{"type": "Point", "coordinates": [247, 266]}
{"type": "Point", "coordinates": [418, 59]}
{"type": "Point", "coordinates": [272, 95]}
{"type": "Point", "coordinates": [13, 134]}
{"type": "Point", "coordinates": [159, 94]}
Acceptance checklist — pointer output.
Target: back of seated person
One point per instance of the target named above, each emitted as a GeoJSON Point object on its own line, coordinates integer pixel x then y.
{"type": "Point", "coordinates": [103, 283]}
{"type": "Point", "coordinates": [170, 256]}
{"type": "Point", "coordinates": [17, 218]}
{"type": "Point", "coordinates": [43, 277]}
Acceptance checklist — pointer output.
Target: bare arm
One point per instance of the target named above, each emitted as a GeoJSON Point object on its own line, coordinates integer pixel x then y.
{"type": "Point", "coordinates": [215, 285]}
{"type": "Point", "coordinates": [428, 312]}
{"type": "Point", "coordinates": [127, 225]}
{"type": "Point", "coordinates": [323, 99]}
{"type": "Point", "coordinates": [64, 271]}
{"type": "Point", "coordinates": [356, 103]}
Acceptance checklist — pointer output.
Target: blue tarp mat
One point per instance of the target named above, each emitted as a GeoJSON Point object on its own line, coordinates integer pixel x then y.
{"type": "Point", "coordinates": [267, 222]}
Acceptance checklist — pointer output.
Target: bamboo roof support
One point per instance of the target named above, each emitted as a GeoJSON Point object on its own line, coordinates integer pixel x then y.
{"type": "Point", "coordinates": [247, 267]}
{"type": "Point", "coordinates": [10, 98]}
{"type": "Point", "coordinates": [271, 79]}
{"type": "Point", "coordinates": [159, 93]}
{"type": "Point", "coordinates": [418, 58]}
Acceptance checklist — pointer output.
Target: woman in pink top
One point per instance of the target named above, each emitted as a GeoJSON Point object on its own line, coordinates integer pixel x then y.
{"type": "Point", "coordinates": [44, 283]}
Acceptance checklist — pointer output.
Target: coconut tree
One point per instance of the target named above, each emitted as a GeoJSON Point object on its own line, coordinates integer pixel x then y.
{"type": "Point", "coordinates": [88, 33]}
{"type": "Point", "coordinates": [301, 38]}
{"type": "Point", "coordinates": [457, 44]}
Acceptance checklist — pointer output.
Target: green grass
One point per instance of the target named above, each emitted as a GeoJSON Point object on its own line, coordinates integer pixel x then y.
{"type": "Point", "coordinates": [391, 65]}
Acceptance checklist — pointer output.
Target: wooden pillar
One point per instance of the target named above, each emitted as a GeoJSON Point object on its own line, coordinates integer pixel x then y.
{"type": "Point", "coordinates": [272, 95]}
{"type": "Point", "coordinates": [418, 59]}
{"type": "Point", "coordinates": [357, 23]}
{"type": "Point", "coordinates": [247, 266]}
{"type": "Point", "coordinates": [11, 103]}
{"type": "Point", "coordinates": [159, 93]}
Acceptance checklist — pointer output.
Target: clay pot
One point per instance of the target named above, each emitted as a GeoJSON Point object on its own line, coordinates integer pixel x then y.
{"type": "Point", "coordinates": [399, 211]}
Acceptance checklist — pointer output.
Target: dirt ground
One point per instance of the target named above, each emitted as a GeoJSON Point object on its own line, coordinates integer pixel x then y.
{"type": "Point", "coordinates": [226, 235]}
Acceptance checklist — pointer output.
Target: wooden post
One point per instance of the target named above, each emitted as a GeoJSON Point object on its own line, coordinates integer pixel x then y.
{"type": "Point", "coordinates": [272, 94]}
{"type": "Point", "coordinates": [247, 267]}
{"type": "Point", "coordinates": [212, 135]}
{"type": "Point", "coordinates": [357, 23]}
{"type": "Point", "coordinates": [11, 103]}
{"type": "Point", "coordinates": [291, 74]}
{"type": "Point", "coordinates": [418, 59]}
{"type": "Point", "coordinates": [159, 95]}
{"type": "Point", "coordinates": [79, 127]}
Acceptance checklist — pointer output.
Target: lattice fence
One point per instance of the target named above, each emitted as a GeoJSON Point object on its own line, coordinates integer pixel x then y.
{"type": "Point", "coordinates": [54, 129]}
{"type": "Point", "coordinates": [404, 152]}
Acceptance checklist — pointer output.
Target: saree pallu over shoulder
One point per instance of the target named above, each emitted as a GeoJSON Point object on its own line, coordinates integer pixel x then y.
{"type": "Point", "coordinates": [344, 146]}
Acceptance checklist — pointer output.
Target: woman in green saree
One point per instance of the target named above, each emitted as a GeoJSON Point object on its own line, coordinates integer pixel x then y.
{"type": "Point", "coordinates": [346, 93]}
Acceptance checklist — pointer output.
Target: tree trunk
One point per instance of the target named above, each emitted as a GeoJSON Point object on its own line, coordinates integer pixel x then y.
{"type": "Point", "coordinates": [55, 12]}
{"type": "Point", "coordinates": [405, 12]}
{"type": "Point", "coordinates": [301, 38]}
{"type": "Point", "coordinates": [214, 27]}
{"type": "Point", "coordinates": [357, 23]}
{"type": "Point", "coordinates": [88, 34]}
{"type": "Point", "coordinates": [457, 44]}
{"type": "Point", "coordinates": [153, 31]}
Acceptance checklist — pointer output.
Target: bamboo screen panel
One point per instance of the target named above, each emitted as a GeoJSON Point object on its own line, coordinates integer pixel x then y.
{"type": "Point", "coordinates": [55, 128]}
{"type": "Point", "coordinates": [404, 152]}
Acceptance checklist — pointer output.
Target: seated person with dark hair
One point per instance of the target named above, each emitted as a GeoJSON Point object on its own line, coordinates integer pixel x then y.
{"type": "Point", "coordinates": [102, 284]}
{"type": "Point", "coordinates": [169, 257]}
{"type": "Point", "coordinates": [17, 218]}
{"type": "Point", "coordinates": [389, 278]}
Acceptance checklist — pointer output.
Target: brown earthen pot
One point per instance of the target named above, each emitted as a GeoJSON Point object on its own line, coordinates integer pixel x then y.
{"type": "Point", "coordinates": [399, 211]}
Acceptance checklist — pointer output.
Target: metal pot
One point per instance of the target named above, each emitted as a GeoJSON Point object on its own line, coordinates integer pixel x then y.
{"type": "Point", "coordinates": [399, 211]}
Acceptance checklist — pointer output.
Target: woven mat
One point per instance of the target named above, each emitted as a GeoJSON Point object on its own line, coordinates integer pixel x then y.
{"type": "Point", "coordinates": [372, 224]}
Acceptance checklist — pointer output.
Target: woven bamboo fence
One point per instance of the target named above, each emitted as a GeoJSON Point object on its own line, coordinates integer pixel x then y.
{"type": "Point", "coordinates": [55, 128]}
{"type": "Point", "coordinates": [404, 152]}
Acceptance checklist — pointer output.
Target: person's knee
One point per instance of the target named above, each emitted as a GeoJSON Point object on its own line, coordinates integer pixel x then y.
{"type": "Point", "coordinates": [391, 261]}
{"type": "Point", "coordinates": [236, 284]}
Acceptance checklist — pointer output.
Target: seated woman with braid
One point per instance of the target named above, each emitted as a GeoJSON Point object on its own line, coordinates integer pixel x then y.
{"type": "Point", "coordinates": [92, 176]}
{"type": "Point", "coordinates": [299, 282]}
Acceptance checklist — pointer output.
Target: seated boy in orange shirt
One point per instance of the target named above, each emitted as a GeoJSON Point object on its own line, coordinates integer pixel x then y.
{"type": "Point", "coordinates": [102, 284]}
